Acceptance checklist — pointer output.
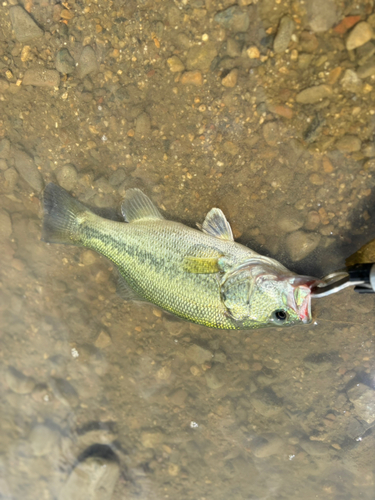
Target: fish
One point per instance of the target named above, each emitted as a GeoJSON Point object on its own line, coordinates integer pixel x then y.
{"type": "Point", "coordinates": [201, 275]}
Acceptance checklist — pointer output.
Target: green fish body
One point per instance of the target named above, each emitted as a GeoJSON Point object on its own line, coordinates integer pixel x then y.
{"type": "Point", "coordinates": [202, 275]}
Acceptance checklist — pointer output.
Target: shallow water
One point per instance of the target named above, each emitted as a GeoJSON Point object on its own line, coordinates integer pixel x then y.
{"type": "Point", "coordinates": [106, 399]}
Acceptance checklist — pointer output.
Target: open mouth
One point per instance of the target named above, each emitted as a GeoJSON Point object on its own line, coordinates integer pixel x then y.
{"type": "Point", "coordinates": [299, 297]}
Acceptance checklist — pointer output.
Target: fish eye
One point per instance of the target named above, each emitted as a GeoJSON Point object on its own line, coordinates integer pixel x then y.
{"type": "Point", "coordinates": [280, 315]}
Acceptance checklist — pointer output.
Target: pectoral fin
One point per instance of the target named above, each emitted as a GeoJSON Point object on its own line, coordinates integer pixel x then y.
{"type": "Point", "coordinates": [202, 265]}
{"type": "Point", "coordinates": [217, 225]}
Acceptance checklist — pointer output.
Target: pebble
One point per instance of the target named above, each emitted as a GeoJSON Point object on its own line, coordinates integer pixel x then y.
{"type": "Point", "coordinates": [164, 373]}
{"type": "Point", "coordinates": [233, 19]}
{"type": "Point", "coordinates": [41, 77]}
{"type": "Point", "coordinates": [267, 446]}
{"type": "Point", "coordinates": [192, 78]}
{"type": "Point", "coordinates": [313, 220]}
{"type": "Point", "coordinates": [300, 244]}
{"type": "Point", "coordinates": [271, 133]}
{"type": "Point", "coordinates": [4, 148]}
{"type": "Point", "coordinates": [43, 440]}
{"type": "Point", "coordinates": [175, 64]}
{"type": "Point", "coordinates": [266, 403]}
{"type": "Point", "coordinates": [315, 94]}
{"type": "Point", "coordinates": [67, 176]}
{"type": "Point", "coordinates": [64, 392]}
{"type": "Point", "coordinates": [363, 399]}
{"type": "Point", "coordinates": [5, 225]}
{"type": "Point", "coordinates": [322, 14]}
{"type": "Point", "coordinates": [142, 126]}
{"type": "Point", "coordinates": [366, 70]}
{"type": "Point", "coordinates": [151, 439]}
{"type": "Point", "coordinates": [25, 28]}
{"type": "Point", "coordinates": [18, 382]}
{"type": "Point", "coordinates": [93, 479]}
{"type": "Point", "coordinates": [351, 81]}
{"type": "Point", "coordinates": [316, 179]}
{"type": "Point", "coordinates": [27, 169]}
{"type": "Point", "coordinates": [64, 62]}
{"type": "Point", "coordinates": [87, 62]}
{"type": "Point", "coordinates": [233, 48]}
{"type": "Point", "coordinates": [104, 340]}
{"type": "Point", "coordinates": [88, 257]}
{"type": "Point", "coordinates": [231, 148]}
{"type": "Point", "coordinates": [117, 177]}
{"type": "Point", "coordinates": [290, 222]}
{"type": "Point", "coordinates": [283, 35]}
{"type": "Point", "coordinates": [230, 80]}
{"type": "Point", "coordinates": [214, 378]}
{"type": "Point", "coordinates": [314, 448]}
{"type": "Point", "coordinates": [360, 34]}
{"type": "Point", "coordinates": [349, 144]}
{"type": "Point", "coordinates": [198, 354]}
{"type": "Point", "coordinates": [178, 397]}
{"type": "Point", "coordinates": [11, 178]}
{"type": "Point", "coordinates": [253, 52]}
{"type": "Point", "coordinates": [368, 149]}
{"type": "Point", "coordinates": [201, 56]}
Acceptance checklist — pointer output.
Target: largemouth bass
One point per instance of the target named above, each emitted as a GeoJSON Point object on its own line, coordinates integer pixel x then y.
{"type": "Point", "coordinates": [203, 276]}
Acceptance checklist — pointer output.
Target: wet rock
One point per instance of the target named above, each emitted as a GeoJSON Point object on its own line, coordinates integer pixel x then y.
{"type": "Point", "coordinates": [5, 225]}
{"type": "Point", "coordinates": [201, 56]}
{"type": "Point", "coordinates": [230, 148]}
{"type": "Point", "coordinates": [214, 377]}
{"type": "Point", "coordinates": [93, 479]}
{"type": "Point", "coordinates": [283, 35]}
{"type": "Point", "coordinates": [87, 62]}
{"type": "Point", "coordinates": [10, 178]}
{"type": "Point", "coordinates": [351, 81]}
{"type": "Point", "coordinates": [267, 446]}
{"type": "Point", "coordinates": [368, 149]}
{"type": "Point", "coordinates": [67, 176]}
{"type": "Point", "coordinates": [42, 394]}
{"type": "Point", "coordinates": [151, 439]}
{"type": "Point", "coordinates": [266, 403]}
{"type": "Point", "coordinates": [313, 220]}
{"type": "Point", "coordinates": [233, 48]}
{"type": "Point", "coordinates": [349, 144]}
{"type": "Point", "coordinates": [64, 62]}
{"type": "Point", "coordinates": [314, 448]}
{"type": "Point", "coordinates": [290, 221]}
{"type": "Point", "coordinates": [300, 244]}
{"type": "Point", "coordinates": [230, 80]}
{"type": "Point", "coordinates": [192, 78]}
{"type": "Point", "coordinates": [43, 440]}
{"type": "Point", "coordinates": [360, 34]}
{"type": "Point", "coordinates": [315, 94]}
{"type": "Point", "coordinates": [234, 19]}
{"type": "Point", "coordinates": [25, 28]}
{"type": "Point", "coordinates": [18, 382]}
{"type": "Point", "coordinates": [318, 362]}
{"type": "Point", "coordinates": [178, 397]}
{"type": "Point", "coordinates": [175, 64]}
{"type": "Point", "coordinates": [4, 148]}
{"type": "Point", "coordinates": [64, 392]}
{"type": "Point", "coordinates": [117, 177]}
{"type": "Point", "coordinates": [271, 133]}
{"type": "Point", "coordinates": [253, 52]}
{"type": "Point", "coordinates": [104, 340]}
{"type": "Point", "coordinates": [198, 354]}
{"type": "Point", "coordinates": [41, 77]}
{"type": "Point", "coordinates": [363, 399]}
{"type": "Point", "coordinates": [366, 70]}
{"type": "Point", "coordinates": [28, 170]}
{"type": "Point", "coordinates": [321, 14]}
{"type": "Point", "coordinates": [142, 126]}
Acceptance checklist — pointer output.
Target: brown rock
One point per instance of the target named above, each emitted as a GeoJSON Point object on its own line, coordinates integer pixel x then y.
{"type": "Point", "coordinates": [192, 78]}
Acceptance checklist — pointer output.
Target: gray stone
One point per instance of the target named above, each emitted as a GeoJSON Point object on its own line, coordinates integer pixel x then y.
{"type": "Point", "coordinates": [349, 144]}
{"type": "Point", "coordinates": [201, 56]}
{"type": "Point", "coordinates": [18, 382]}
{"type": "Point", "coordinates": [290, 221]}
{"type": "Point", "coordinates": [198, 354]}
{"type": "Point", "coordinates": [283, 35]}
{"type": "Point", "coordinates": [233, 48]}
{"type": "Point", "coordinates": [321, 14]}
{"type": "Point", "coordinates": [67, 176]}
{"type": "Point", "coordinates": [41, 77]}
{"type": "Point", "coordinates": [351, 81]}
{"type": "Point", "coordinates": [366, 70]}
{"type": "Point", "coordinates": [300, 244]}
{"type": "Point", "coordinates": [43, 440]}
{"type": "Point", "coordinates": [87, 62]}
{"type": "Point", "coordinates": [360, 34]}
{"type": "Point", "coordinates": [93, 479]}
{"type": "Point", "coordinates": [142, 126]}
{"type": "Point", "coordinates": [315, 94]}
{"type": "Point", "coordinates": [363, 399]}
{"type": "Point", "coordinates": [64, 62]}
{"type": "Point", "coordinates": [234, 19]}
{"type": "Point", "coordinates": [5, 148]}
{"type": "Point", "coordinates": [27, 169]}
{"type": "Point", "coordinates": [117, 177]}
{"type": "Point", "coordinates": [25, 28]}
{"type": "Point", "coordinates": [267, 446]}
{"type": "Point", "coordinates": [5, 225]}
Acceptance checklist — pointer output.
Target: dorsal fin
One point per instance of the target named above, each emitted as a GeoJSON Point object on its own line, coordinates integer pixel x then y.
{"type": "Point", "coordinates": [137, 206]}
{"type": "Point", "coordinates": [217, 225]}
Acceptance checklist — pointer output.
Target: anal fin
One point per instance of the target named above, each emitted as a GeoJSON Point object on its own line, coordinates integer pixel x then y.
{"type": "Point", "coordinates": [126, 292]}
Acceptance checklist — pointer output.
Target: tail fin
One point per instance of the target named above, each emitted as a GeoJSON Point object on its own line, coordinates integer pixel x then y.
{"type": "Point", "coordinates": [61, 222]}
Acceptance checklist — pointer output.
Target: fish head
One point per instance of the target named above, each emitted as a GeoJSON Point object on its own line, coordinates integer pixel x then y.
{"type": "Point", "coordinates": [267, 296]}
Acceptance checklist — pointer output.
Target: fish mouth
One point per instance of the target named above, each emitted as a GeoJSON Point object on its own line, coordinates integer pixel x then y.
{"type": "Point", "coordinates": [299, 296]}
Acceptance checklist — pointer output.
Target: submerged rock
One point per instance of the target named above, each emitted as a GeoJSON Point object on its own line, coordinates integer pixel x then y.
{"type": "Point", "coordinates": [234, 19]}
{"type": "Point", "coordinates": [25, 28]}
{"type": "Point", "coordinates": [300, 244]}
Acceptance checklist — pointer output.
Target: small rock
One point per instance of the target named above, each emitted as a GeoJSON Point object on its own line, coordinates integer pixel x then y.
{"type": "Point", "coordinates": [87, 62]}
{"type": "Point", "coordinates": [283, 35]}
{"type": "Point", "coordinates": [64, 392]}
{"type": "Point", "coordinates": [151, 439]}
{"type": "Point", "coordinates": [313, 220]}
{"type": "Point", "coordinates": [316, 179]}
{"type": "Point", "coordinates": [271, 133]}
{"type": "Point", "coordinates": [253, 52]}
{"type": "Point", "coordinates": [28, 170]}
{"type": "Point", "coordinates": [43, 440]}
{"type": "Point", "coordinates": [289, 222]}
{"type": "Point", "coordinates": [351, 81]}
{"type": "Point", "coordinates": [201, 56]}
{"type": "Point", "coordinates": [41, 77]}
{"type": "Point", "coordinates": [368, 149]}
{"type": "Point", "coordinates": [103, 340]}
{"type": "Point", "coordinates": [266, 403]}
{"type": "Point", "coordinates": [3, 165]}
{"type": "Point", "coordinates": [318, 362]}
{"type": "Point", "coordinates": [300, 244]}
{"type": "Point", "coordinates": [117, 177]}
{"type": "Point", "coordinates": [18, 382]}
{"type": "Point", "coordinates": [142, 126]}
{"type": "Point", "coordinates": [349, 144]}
{"type": "Point", "coordinates": [93, 479]}
{"type": "Point", "coordinates": [360, 34]}
{"type": "Point", "coordinates": [234, 19]}
{"type": "Point", "coordinates": [88, 258]}
{"type": "Point", "coordinates": [231, 148]}
{"type": "Point", "coordinates": [178, 397]}
{"type": "Point", "coordinates": [64, 62]}
{"type": "Point", "coordinates": [67, 176]}
{"type": "Point", "coordinates": [198, 354]}
{"type": "Point", "coordinates": [366, 70]}
{"type": "Point", "coordinates": [214, 378]}
{"type": "Point", "coordinates": [5, 225]}
{"type": "Point", "coordinates": [233, 48]}
{"type": "Point", "coordinates": [315, 94]}
{"type": "Point", "coordinates": [266, 447]}
{"type": "Point", "coordinates": [25, 28]}
{"type": "Point", "coordinates": [192, 78]}
{"type": "Point", "coordinates": [363, 399]}
{"type": "Point", "coordinates": [314, 448]}
{"type": "Point", "coordinates": [164, 373]}
{"type": "Point", "coordinates": [4, 148]}
{"type": "Point", "coordinates": [230, 80]}
{"type": "Point", "coordinates": [322, 14]}
{"type": "Point", "coordinates": [175, 64]}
